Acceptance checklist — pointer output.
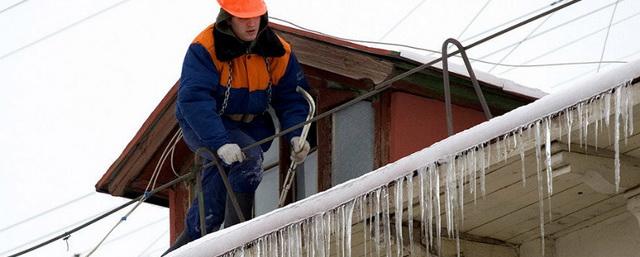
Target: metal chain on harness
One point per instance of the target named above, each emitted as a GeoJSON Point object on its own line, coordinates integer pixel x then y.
{"type": "Point", "coordinates": [227, 92]}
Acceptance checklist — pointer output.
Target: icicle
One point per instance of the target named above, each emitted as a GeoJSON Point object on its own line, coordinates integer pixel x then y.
{"type": "Point", "coordinates": [607, 108]}
{"type": "Point", "coordinates": [586, 125]}
{"type": "Point", "coordinates": [398, 216]}
{"type": "Point", "coordinates": [422, 176]}
{"type": "Point", "coordinates": [460, 195]}
{"type": "Point", "coordinates": [484, 165]}
{"type": "Point", "coordinates": [364, 217]}
{"type": "Point", "coordinates": [450, 190]}
{"type": "Point", "coordinates": [540, 184]}
{"type": "Point", "coordinates": [377, 222]}
{"type": "Point", "coordinates": [505, 148]}
{"type": "Point", "coordinates": [631, 104]}
{"type": "Point", "coordinates": [473, 182]}
{"type": "Point", "coordinates": [436, 175]}
{"type": "Point", "coordinates": [580, 118]}
{"type": "Point", "coordinates": [410, 211]}
{"type": "Point", "coordinates": [597, 120]}
{"type": "Point", "coordinates": [569, 116]}
{"type": "Point", "coordinates": [521, 151]}
{"type": "Point", "coordinates": [387, 220]}
{"type": "Point", "coordinates": [350, 208]}
{"type": "Point", "coordinates": [617, 140]}
{"type": "Point", "coordinates": [547, 150]}
{"type": "Point", "coordinates": [625, 116]}
{"type": "Point", "coordinates": [429, 203]}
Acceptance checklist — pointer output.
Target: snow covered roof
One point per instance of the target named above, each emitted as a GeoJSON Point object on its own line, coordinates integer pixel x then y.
{"type": "Point", "coordinates": [505, 84]}
{"type": "Point", "coordinates": [470, 141]}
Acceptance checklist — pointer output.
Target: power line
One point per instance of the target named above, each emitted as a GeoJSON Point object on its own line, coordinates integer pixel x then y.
{"type": "Point", "coordinates": [512, 20]}
{"type": "Point", "coordinates": [402, 19]}
{"type": "Point", "coordinates": [474, 18]}
{"type": "Point", "coordinates": [94, 220]}
{"type": "Point", "coordinates": [520, 43]}
{"type": "Point", "coordinates": [550, 29]}
{"type": "Point", "coordinates": [130, 233]}
{"type": "Point", "coordinates": [53, 233]}
{"type": "Point", "coordinates": [63, 29]}
{"type": "Point", "coordinates": [12, 6]}
{"type": "Point", "coordinates": [378, 89]}
{"type": "Point", "coordinates": [153, 243]}
{"type": "Point", "coordinates": [590, 71]}
{"type": "Point", "coordinates": [45, 212]}
{"type": "Point", "coordinates": [604, 46]}
{"type": "Point", "coordinates": [575, 41]}
{"type": "Point", "coordinates": [438, 52]}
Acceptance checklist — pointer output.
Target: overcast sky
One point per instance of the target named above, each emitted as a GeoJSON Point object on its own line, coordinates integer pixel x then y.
{"type": "Point", "coordinates": [73, 98]}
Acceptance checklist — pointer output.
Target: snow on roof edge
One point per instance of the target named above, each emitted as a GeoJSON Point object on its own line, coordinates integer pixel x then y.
{"type": "Point", "coordinates": [505, 84]}
{"type": "Point", "coordinates": [222, 241]}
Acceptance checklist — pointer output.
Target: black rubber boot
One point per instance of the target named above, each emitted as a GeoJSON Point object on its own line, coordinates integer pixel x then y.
{"type": "Point", "coordinates": [182, 239]}
{"type": "Point", "coordinates": [245, 200]}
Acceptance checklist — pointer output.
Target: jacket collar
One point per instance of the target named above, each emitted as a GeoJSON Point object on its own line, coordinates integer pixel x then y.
{"type": "Point", "coordinates": [228, 46]}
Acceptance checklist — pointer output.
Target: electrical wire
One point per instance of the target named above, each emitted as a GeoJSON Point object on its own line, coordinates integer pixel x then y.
{"type": "Point", "coordinates": [153, 243]}
{"type": "Point", "coordinates": [150, 185]}
{"type": "Point", "coordinates": [474, 18]}
{"type": "Point", "coordinates": [574, 41]}
{"type": "Point", "coordinates": [12, 6]}
{"type": "Point", "coordinates": [590, 71]}
{"type": "Point", "coordinates": [378, 88]}
{"type": "Point", "coordinates": [551, 29]}
{"type": "Point", "coordinates": [402, 20]}
{"type": "Point", "coordinates": [130, 233]}
{"type": "Point", "coordinates": [55, 232]}
{"type": "Point", "coordinates": [63, 29]}
{"type": "Point", "coordinates": [604, 45]}
{"type": "Point", "coordinates": [46, 212]}
{"type": "Point", "coordinates": [132, 201]}
{"type": "Point", "coordinates": [512, 20]}
{"type": "Point", "coordinates": [520, 43]}
{"type": "Point", "coordinates": [434, 51]}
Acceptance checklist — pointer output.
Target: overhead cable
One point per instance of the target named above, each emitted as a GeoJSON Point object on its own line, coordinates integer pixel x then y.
{"type": "Point", "coordinates": [512, 20]}
{"type": "Point", "coordinates": [575, 41]}
{"type": "Point", "coordinates": [378, 89]}
{"type": "Point", "coordinates": [153, 243]}
{"type": "Point", "coordinates": [150, 185]}
{"type": "Point", "coordinates": [474, 18]}
{"type": "Point", "coordinates": [520, 43]}
{"type": "Point", "coordinates": [46, 212]}
{"type": "Point", "coordinates": [94, 220]}
{"type": "Point", "coordinates": [12, 6]}
{"type": "Point", "coordinates": [129, 233]}
{"type": "Point", "coordinates": [438, 52]}
{"type": "Point", "coordinates": [604, 45]}
{"type": "Point", "coordinates": [402, 20]}
{"type": "Point", "coordinates": [63, 29]}
{"type": "Point", "coordinates": [551, 29]}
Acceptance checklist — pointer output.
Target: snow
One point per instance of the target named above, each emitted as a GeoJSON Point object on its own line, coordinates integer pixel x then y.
{"type": "Point", "coordinates": [505, 84]}
{"type": "Point", "coordinates": [315, 208]}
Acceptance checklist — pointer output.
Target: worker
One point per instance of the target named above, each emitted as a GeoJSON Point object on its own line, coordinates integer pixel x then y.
{"type": "Point", "coordinates": [233, 71]}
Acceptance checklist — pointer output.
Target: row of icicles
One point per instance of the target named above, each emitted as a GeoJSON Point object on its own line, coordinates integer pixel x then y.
{"type": "Point", "coordinates": [441, 190]}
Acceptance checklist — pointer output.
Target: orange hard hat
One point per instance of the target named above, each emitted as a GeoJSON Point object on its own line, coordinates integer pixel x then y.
{"type": "Point", "coordinates": [244, 8]}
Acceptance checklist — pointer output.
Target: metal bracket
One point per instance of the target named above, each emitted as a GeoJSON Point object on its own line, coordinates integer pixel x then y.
{"type": "Point", "coordinates": [472, 75]}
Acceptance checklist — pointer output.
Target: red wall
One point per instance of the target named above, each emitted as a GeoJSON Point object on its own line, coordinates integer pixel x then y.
{"type": "Point", "coordinates": [418, 122]}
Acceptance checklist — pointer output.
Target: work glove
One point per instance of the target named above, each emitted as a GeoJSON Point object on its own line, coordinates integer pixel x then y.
{"type": "Point", "coordinates": [230, 153]}
{"type": "Point", "coordinates": [298, 154]}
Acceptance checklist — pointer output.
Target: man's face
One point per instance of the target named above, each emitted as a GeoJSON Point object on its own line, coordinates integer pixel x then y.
{"type": "Point", "coordinates": [246, 29]}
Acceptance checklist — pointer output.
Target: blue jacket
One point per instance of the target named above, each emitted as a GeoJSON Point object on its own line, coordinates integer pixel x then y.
{"type": "Point", "coordinates": [216, 58]}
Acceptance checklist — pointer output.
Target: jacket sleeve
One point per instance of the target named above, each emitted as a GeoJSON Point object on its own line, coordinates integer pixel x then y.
{"type": "Point", "coordinates": [196, 99]}
{"type": "Point", "coordinates": [290, 106]}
